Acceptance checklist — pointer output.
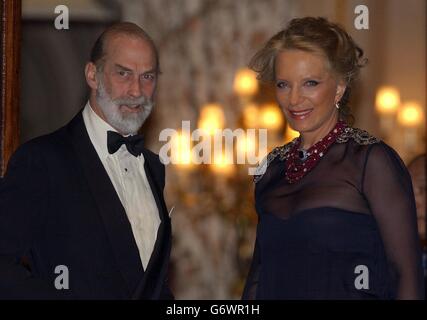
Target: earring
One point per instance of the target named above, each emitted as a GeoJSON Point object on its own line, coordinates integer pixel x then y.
{"type": "Point", "coordinates": [337, 105]}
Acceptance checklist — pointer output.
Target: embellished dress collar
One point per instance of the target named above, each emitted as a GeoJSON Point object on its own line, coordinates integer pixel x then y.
{"type": "Point", "coordinates": [299, 162]}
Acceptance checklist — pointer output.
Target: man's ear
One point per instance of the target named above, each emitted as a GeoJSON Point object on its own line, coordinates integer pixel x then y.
{"type": "Point", "coordinates": [90, 74]}
{"type": "Point", "coordinates": [341, 86]}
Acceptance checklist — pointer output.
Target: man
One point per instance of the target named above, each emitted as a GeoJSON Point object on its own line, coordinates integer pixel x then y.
{"type": "Point", "coordinates": [417, 169]}
{"type": "Point", "coordinates": [82, 213]}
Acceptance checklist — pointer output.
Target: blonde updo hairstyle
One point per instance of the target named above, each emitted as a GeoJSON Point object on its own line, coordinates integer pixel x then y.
{"type": "Point", "coordinates": [316, 35]}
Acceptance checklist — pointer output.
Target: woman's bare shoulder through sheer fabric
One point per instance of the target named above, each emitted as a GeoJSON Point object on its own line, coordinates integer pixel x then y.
{"type": "Point", "coordinates": [336, 181]}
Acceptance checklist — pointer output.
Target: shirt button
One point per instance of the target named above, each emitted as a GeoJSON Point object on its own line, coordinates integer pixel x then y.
{"type": "Point", "coordinates": [126, 169]}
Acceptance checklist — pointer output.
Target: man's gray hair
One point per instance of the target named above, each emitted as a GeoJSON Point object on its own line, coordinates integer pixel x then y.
{"type": "Point", "coordinates": [122, 28]}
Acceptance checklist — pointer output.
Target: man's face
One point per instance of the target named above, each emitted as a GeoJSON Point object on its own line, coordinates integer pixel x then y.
{"type": "Point", "coordinates": [127, 83]}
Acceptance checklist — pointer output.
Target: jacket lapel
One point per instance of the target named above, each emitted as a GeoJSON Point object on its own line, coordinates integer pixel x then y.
{"type": "Point", "coordinates": [109, 205]}
{"type": "Point", "coordinates": [152, 282]}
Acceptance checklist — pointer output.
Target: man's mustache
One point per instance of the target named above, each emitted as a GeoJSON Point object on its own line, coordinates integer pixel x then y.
{"type": "Point", "coordinates": [132, 102]}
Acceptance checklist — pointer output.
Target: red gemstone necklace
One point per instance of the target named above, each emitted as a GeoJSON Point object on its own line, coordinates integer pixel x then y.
{"type": "Point", "coordinates": [299, 162]}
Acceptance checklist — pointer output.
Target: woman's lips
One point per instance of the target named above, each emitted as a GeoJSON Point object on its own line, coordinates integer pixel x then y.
{"type": "Point", "coordinates": [301, 114]}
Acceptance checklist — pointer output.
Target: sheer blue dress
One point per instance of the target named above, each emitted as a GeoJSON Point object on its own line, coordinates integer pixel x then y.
{"type": "Point", "coordinates": [346, 230]}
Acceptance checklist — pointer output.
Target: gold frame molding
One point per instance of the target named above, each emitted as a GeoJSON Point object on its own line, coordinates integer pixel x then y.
{"type": "Point", "coordinates": [10, 30]}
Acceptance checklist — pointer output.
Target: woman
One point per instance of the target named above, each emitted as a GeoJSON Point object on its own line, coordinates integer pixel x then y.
{"type": "Point", "coordinates": [336, 209]}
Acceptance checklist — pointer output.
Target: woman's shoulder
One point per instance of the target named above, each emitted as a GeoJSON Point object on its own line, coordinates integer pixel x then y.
{"type": "Point", "coordinates": [371, 150]}
{"type": "Point", "coordinates": [358, 136]}
{"type": "Point", "coordinates": [357, 144]}
{"type": "Point", "coordinates": [278, 153]}
{"type": "Point", "coordinates": [363, 140]}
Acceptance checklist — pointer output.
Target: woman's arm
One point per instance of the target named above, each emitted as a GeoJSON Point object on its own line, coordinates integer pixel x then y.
{"type": "Point", "coordinates": [387, 187]}
{"type": "Point", "coordinates": [250, 290]}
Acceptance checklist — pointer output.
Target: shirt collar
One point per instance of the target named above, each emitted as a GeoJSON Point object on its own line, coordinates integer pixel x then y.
{"type": "Point", "coordinates": [97, 129]}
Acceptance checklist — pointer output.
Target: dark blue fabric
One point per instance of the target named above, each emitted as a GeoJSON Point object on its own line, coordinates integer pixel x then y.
{"type": "Point", "coordinates": [314, 255]}
{"type": "Point", "coordinates": [355, 207]}
{"type": "Point", "coordinates": [59, 207]}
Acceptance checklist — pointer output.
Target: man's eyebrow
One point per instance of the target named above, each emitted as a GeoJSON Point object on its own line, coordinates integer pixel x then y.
{"type": "Point", "coordinates": [154, 70]}
{"type": "Point", "coordinates": [122, 67]}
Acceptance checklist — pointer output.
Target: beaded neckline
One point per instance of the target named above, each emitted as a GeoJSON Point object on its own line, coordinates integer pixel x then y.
{"type": "Point", "coordinates": [299, 162]}
{"type": "Point", "coordinates": [357, 135]}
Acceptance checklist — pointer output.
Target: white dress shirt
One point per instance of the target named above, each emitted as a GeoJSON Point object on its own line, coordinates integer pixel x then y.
{"type": "Point", "coordinates": [128, 176]}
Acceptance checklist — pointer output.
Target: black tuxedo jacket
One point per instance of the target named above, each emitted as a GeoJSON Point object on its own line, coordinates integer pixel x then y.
{"type": "Point", "coordinates": [58, 207]}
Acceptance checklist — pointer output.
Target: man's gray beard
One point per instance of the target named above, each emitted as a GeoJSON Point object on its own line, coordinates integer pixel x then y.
{"type": "Point", "coordinates": [125, 123]}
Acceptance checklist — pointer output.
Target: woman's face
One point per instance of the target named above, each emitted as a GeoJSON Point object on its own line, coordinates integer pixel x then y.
{"type": "Point", "coordinates": [307, 90]}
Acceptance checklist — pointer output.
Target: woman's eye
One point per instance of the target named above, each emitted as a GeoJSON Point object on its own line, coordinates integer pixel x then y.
{"type": "Point", "coordinates": [281, 85]}
{"type": "Point", "coordinates": [312, 83]}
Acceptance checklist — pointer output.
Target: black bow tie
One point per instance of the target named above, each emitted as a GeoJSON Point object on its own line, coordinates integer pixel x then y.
{"type": "Point", "coordinates": [134, 144]}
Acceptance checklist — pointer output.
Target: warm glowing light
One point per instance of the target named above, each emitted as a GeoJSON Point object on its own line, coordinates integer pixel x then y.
{"type": "Point", "coordinates": [290, 134]}
{"type": "Point", "coordinates": [181, 149]}
{"type": "Point", "coordinates": [222, 164]}
{"type": "Point", "coordinates": [251, 116]}
{"type": "Point", "coordinates": [211, 118]}
{"type": "Point", "coordinates": [246, 145]}
{"type": "Point", "coordinates": [411, 114]}
{"type": "Point", "coordinates": [387, 100]}
{"type": "Point", "coordinates": [245, 83]}
{"type": "Point", "coordinates": [271, 117]}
